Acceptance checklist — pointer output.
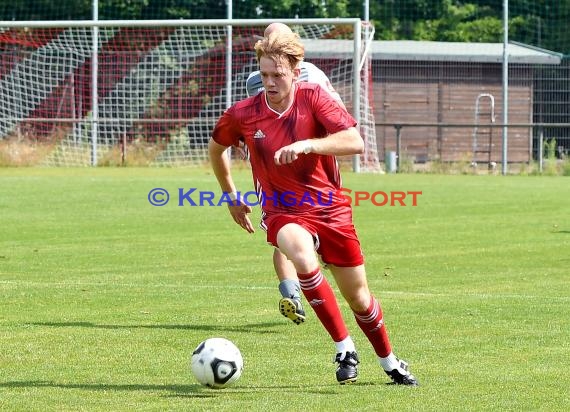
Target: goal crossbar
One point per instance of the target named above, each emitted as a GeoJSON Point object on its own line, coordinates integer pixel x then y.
{"type": "Point", "coordinates": [95, 118]}
{"type": "Point", "coordinates": [169, 22]}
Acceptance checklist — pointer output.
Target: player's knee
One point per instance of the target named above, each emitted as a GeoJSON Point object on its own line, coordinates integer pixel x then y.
{"type": "Point", "coordinates": [357, 297]}
{"type": "Point", "coordinates": [358, 303]}
{"type": "Point", "coordinates": [304, 261]}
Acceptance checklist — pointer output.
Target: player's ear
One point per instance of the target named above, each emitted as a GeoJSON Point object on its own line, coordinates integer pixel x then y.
{"type": "Point", "coordinates": [296, 73]}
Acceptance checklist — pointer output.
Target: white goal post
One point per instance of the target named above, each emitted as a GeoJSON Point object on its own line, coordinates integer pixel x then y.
{"type": "Point", "coordinates": [107, 91]}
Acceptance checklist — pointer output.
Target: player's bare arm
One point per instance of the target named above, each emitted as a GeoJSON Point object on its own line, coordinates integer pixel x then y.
{"type": "Point", "coordinates": [345, 142]}
{"type": "Point", "coordinates": [221, 166]}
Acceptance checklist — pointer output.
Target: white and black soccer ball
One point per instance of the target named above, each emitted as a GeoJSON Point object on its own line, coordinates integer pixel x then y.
{"type": "Point", "coordinates": [216, 363]}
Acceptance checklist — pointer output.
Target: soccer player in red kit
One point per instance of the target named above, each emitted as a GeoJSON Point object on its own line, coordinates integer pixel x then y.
{"type": "Point", "coordinates": [293, 132]}
{"type": "Point", "coordinates": [290, 304]}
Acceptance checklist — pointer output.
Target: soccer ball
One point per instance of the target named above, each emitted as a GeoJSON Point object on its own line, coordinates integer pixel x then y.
{"type": "Point", "coordinates": [216, 363]}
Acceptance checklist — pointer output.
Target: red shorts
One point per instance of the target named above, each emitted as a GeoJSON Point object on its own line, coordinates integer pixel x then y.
{"type": "Point", "coordinates": [337, 243]}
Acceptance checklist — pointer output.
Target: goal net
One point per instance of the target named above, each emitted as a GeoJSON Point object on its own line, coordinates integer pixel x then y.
{"type": "Point", "coordinates": [152, 95]}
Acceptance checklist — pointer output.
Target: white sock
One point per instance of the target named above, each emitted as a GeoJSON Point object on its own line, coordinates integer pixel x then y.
{"type": "Point", "coordinates": [390, 362]}
{"type": "Point", "coordinates": [345, 345]}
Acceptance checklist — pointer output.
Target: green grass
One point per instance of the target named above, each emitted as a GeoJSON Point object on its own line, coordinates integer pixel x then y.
{"type": "Point", "coordinates": [103, 297]}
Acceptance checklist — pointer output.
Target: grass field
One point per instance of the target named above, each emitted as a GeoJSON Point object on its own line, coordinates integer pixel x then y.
{"type": "Point", "coordinates": [103, 297]}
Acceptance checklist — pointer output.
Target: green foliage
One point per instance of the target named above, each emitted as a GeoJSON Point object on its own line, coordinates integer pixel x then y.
{"type": "Point", "coordinates": [550, 149]}
{"type": "Point", "coordinates": [540, 23]}
{"type": "Point", "coordinates": [487, 29]}
{"type": "Point", "coordinates": [121, 9]}
{"type": "Point", "coordinates": [449, 22]}
{"type": "Point", "coordinates": [45, 9]}
{"type": "Point", "coordinates": [566, 167]}
{"type": "Point", "coordinates": [552, 166]}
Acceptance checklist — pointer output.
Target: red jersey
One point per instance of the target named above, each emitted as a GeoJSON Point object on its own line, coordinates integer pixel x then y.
{"type": "Point", "coordinates": [310, 184]}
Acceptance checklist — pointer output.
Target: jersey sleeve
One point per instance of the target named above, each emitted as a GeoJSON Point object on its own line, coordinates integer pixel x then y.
{"type": "Point", "coordinates": [329, 112]}
{"type": "Point", "coordinates": [227, 131]}
{"type": "Point", "coordinates": [331, 90]}
{"type": "Point", "coordinates": [316, 75]}
{"type": "Point", "coordinates": [253, 84]}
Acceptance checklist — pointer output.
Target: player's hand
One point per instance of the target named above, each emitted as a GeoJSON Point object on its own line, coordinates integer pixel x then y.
{"type": "Point", "coordinates": [242, 150]}
{"type": "Point", "coordinates": [240, 214]}
{"type": "Point", "coordinates": [242, 153]}
{"type": "Point", "coordinates": [290, 153]}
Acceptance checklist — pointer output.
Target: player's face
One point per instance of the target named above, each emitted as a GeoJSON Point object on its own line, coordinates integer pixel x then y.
{"type": "Point", "coordinates": [278, 80]}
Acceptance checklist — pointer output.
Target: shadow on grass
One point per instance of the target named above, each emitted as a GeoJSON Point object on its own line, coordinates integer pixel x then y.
{"type": "Point", "coordinates": [331, 389]}
{"type": "Point", "coordinates": [194, 391]}
{"type": "Point", "coordinates": [184, 391]}
{"type": "Point", "coordinates": [262, 328]}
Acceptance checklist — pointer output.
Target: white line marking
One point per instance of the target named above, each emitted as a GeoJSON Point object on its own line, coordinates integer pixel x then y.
{"type": "Point", "coordinates": [233, 286]}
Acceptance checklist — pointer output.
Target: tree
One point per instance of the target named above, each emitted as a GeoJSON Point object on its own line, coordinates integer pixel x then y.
{"type": "Point", "coordinates": [541, 23]}
{"type": "Point", "coordinates": [45, 10]}
{"type": "Point", "coordinates": [466, 23]}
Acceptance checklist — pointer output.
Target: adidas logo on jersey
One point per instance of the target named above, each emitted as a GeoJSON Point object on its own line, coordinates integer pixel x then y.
{"type": "Point", "coordinates": [259, 135]}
